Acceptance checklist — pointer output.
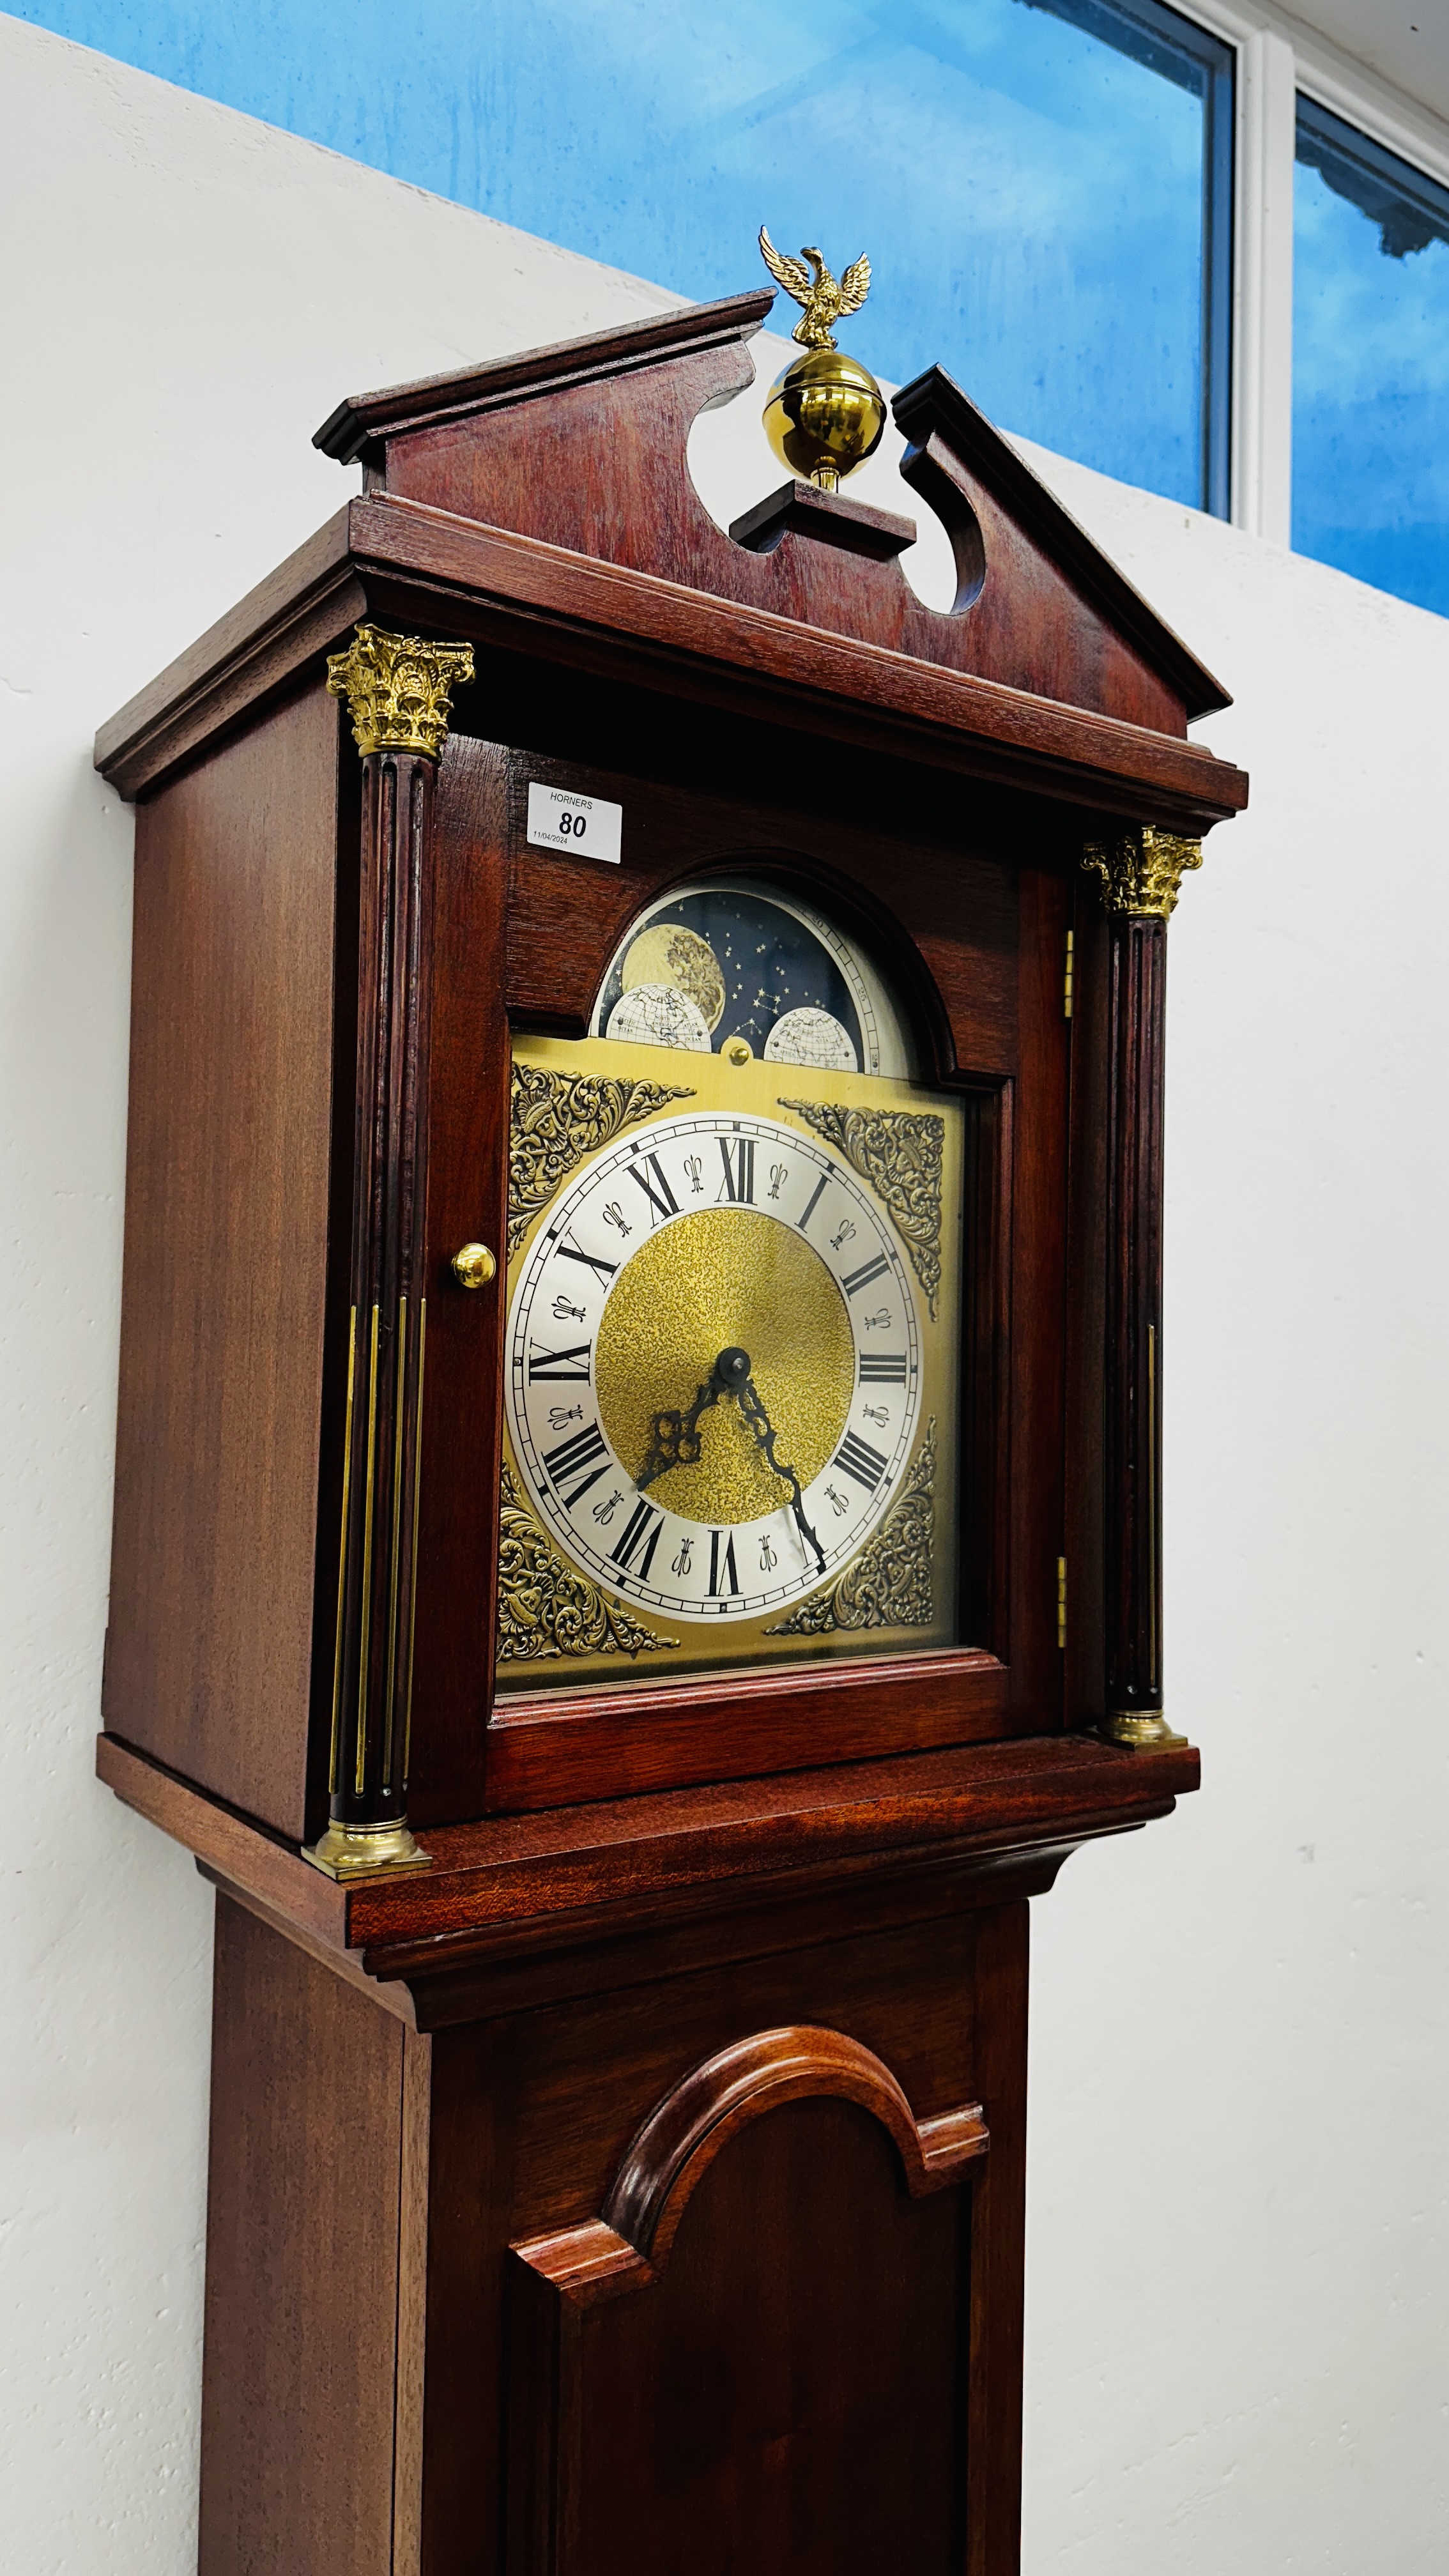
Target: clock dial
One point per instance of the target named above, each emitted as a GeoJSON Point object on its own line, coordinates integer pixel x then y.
{"type": "Point", "coordinates": [714, 1377]}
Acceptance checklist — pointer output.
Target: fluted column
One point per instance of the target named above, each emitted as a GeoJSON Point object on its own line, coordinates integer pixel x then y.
{"type": "Point", "coordinates": [398, 688]}
{"type": "Point", "coordinates": [1140, 871]}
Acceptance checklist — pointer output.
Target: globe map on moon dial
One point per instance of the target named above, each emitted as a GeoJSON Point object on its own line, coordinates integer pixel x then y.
{"type": "Point", "coordinates": [811, 1037]}
{"type": "Point", "coordinates": [658, 1015]}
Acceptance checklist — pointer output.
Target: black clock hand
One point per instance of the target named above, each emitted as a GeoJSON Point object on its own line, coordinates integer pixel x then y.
{"type": "Point", "coordinates": [759, 1422]}
{"type": "Point", "coordinates": [674, 1437]}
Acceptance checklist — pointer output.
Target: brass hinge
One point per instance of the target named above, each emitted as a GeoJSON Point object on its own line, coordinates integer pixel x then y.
{"type": "Point", "coordinates": [1062, 1602]}
{"type": "Point", "coordinates": [1067, 977]}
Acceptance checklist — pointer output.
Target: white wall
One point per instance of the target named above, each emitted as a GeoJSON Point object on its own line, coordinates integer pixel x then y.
{"type": "Point", "coordinates": [1238, 2245]}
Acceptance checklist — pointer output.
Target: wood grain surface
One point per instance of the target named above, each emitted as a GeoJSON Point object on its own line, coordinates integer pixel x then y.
{"type": "Point", "coordinates": [467, 1203]}
{"type": "Point", "coordinates": [814, 2310]}
{"type": "Point", "coordinates": [301, 2266]}
{"type": "Point", "coordinates": [209, 1650]}
{"type": "Point", "coordinates": [753, 2125]}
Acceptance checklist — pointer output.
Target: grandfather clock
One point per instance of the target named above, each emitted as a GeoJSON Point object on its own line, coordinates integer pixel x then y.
{"type": "Point", "coordinates": [637, 1535]}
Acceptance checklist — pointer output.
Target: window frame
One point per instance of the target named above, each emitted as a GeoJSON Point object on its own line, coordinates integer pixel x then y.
{"type": "Point", "coordinates": [1217, 56]}
{"type": "Point", "coordinates": [1280, 60]}
{"type": "Point", "coordinates": [1351, 143]}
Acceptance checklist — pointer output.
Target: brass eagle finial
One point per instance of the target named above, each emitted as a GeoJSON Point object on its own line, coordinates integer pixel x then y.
{"type": "Point", "coordinates": [824, 300]}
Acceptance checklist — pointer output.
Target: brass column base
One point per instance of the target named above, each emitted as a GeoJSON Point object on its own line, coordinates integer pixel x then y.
{"type": "Point", "coordinates": [356, 1851]}
{"type": "Point", "coordinates": [1137, 1728]}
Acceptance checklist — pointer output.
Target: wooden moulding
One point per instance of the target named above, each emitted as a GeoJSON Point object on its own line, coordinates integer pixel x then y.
{"type": "Point", "coordinates": [585, 446]}
{"type": "Point", "coordinates": [361, 426]}
{"type": "Point", "coordinates": [278, 632]}
{"type": "Point", "coordinates": [831, 518]}
{"type": "Point", "coordinates": [418, 567]}
{"type": "Point", "coordinates": [680, 1854]}
{"type": "Point", "coordinates": [629, 2244]}
{"type": "Point", "coordinates": [549, 1749]}
{"type": "Point", "coordinates": [955, 456]}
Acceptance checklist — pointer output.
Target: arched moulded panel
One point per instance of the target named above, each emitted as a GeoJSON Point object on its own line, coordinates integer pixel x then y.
{"type": "Point", "coordinates": [630, 2242]}
{"type": "Point", "coordinates": [807, 2302]}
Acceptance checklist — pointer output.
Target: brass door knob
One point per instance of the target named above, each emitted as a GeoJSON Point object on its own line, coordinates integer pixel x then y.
{"type": "Point", "coordinates": [474, 1266]}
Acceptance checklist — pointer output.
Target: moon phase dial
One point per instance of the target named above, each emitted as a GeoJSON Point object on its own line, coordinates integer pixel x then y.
{"type": "Point", "coordinates": [714, 1367]}
{"type": "Point", "coordinates": [729, 962]}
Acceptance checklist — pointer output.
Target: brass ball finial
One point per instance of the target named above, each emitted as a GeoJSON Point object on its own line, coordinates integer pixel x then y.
{"type": "Point", "coordinates": [826, 414]}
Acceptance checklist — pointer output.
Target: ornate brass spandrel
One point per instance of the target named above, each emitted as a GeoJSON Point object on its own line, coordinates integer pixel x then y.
{"type": "Point", "coordinates": [546, 1607]}
{"type": "Point", "coordinates": [889, 1584]}
{"type": "Point", "coordinates": [399, 689]}
{"type": "Point", "coordinates": [556, 1120]}
{"type": "Point", "coordinates": [900, 1153]}
{"type": "Point", "coordinates": [1141, 869]}
{"type": "Point", "coordinates": [824, 298]}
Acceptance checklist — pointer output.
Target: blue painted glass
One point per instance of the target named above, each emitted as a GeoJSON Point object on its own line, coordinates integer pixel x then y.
{"type": "Point", "coordinates": [1041, 184]}
{"type": "Point", "coordinates": [1370, 362]}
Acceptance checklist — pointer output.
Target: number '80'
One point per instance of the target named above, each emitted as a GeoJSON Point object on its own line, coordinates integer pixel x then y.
{"type": "Point", "coordinates": [573, 826]}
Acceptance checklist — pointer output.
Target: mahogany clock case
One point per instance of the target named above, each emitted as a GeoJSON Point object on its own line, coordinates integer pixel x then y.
{"type": "Point", "coordinates": [966, 912]}
{"type": "Point", "coordinates": [755, 1943]}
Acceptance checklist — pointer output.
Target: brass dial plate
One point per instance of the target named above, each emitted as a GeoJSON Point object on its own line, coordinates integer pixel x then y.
{"type": "Point", "coordinates": [728, 1228]}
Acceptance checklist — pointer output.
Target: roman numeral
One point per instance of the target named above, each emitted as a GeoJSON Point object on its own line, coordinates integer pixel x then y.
{"type": "Point", "coordinates": [814, 1201]}
{"type": "Point", "coordinates": [572, 1456]}
{"type": "Point", "coordinates": [882, 1368]}
{"type": "Point", "coordinates": [862, 1277]}
{"type": "Point", "coordinates": [603, 1269]}
{"type": "Point", "coordinates": [662, 1200]}
{"type": "Point", "coordinates": [856, 1458]}
{"type": "Point", "coordinates": [556, 1365]}
{"type": "Point", "coordinates": [723, 1563]}
{"type": "Point", "coordinates": [641, 1530]}
{"type": "Point", "coordinates": [739, 1169]}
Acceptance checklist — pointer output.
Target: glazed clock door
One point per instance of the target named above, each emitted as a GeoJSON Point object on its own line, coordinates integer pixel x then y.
{"type": "Point", "coordinates": [774, 1442]}
{"type": "Point", "coordinates": [734, 1313]}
